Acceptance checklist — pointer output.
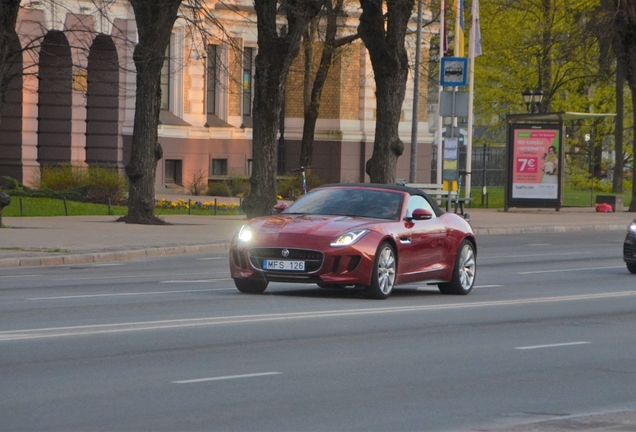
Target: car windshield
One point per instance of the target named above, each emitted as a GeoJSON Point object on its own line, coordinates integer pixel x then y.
{"type": "Point", "coordinates": [350, 202]}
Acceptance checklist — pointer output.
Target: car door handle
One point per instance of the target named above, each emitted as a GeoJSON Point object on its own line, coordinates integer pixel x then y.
{"type": "Point", "coordinates": [405, 240]}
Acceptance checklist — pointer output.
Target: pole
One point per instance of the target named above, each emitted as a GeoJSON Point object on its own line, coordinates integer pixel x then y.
{"type": "Point", "coordinates": [440, 119]}
{"type": "Point", "coordinates": [471, 95]}
{"type": "Point", "coordinates": [416, 95]}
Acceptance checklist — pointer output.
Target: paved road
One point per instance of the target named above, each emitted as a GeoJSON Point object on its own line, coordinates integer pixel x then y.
{"type": "Point", "coordinates": [545, 342]}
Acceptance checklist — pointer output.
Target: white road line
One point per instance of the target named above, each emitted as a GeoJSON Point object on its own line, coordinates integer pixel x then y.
{"type": "Point", "coordinates": [131, 276]}
{"type": "Point", "coordinates": [126, 294]}
{"type": "Point", "coordinates": [229, 377]}
{"type": "Point", "coordinates": [536, 255]}
{"type": "Point", "coordinates": [487, 286]}
{"type": "Point", "coordinates": [107, 265]}
{"type": "Point", "coordinates": [210, 321]}
{"type": "Point", "coordinates": [552, 345]}
{"type": "Point", "coordinates": [194, 281]}
{"type": "Point", "coordinates": [19, 276]}
{"type": "Point", "coordinates": [569, 270]}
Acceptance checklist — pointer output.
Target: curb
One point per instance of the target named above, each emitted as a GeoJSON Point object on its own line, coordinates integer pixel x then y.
{"type": "Point", "coordinates": [105, 257]}
{"type": "Point", "coordinates": [549, 229]}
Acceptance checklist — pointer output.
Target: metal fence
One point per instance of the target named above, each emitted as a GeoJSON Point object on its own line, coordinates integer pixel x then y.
{"type": "Point", "coordinates": [488, 168]}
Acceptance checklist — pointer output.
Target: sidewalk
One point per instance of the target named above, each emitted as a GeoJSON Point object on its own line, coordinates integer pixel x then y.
{"type": "Point", "coordinates": [33, 241]}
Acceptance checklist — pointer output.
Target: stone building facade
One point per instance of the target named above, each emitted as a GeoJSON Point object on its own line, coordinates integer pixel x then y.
{"type": "Point", "coordinates": [72, 98]}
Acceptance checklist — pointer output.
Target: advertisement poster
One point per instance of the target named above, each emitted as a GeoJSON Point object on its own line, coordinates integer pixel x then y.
{"type": "Point", "coordinates": [535, 168]}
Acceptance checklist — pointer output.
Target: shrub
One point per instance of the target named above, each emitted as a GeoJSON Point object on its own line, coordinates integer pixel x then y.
{"type": "Point", "coordinates": [292, 186]}
{"type": "Point", "coordinates": [105, 184]}
{"type": "Point", "coordinates": [218, 188]}
{"type": "Point", "coordinates": [198, 183]}
{"type": "Point", "coordinates": [235, 186]}
{"type": "Point", "coordinates": [62, 177]}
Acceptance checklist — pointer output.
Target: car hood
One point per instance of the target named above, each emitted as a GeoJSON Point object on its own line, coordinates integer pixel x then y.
{"type": "Point", "coordinates": [315, 225]}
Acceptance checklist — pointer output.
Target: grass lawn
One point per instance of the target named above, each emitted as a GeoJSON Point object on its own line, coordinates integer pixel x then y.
{"type": "Point", "coordinates": [55, 207]}
{"type": "Point", "coordinates": [571, 198]}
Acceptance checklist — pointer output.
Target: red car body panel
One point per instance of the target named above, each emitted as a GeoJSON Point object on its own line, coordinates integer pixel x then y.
{"type": "Point", "coordinates": [425, 249]}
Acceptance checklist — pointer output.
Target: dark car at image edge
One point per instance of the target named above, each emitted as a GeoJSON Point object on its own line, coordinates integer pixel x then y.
{"type": "Point", "coordinates": [629, 248]}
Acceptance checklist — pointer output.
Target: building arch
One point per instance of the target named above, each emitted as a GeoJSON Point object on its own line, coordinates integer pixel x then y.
{"type": "Point", "coordinates": [11, 115]}
{"type": "Point", "coordinates": [102, 104]}
{"type": "Point", "coordinates": [55, 88]}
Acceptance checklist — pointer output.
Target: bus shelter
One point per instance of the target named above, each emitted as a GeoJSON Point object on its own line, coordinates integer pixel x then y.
{"type": "Point", "coordinates": [535, 158]}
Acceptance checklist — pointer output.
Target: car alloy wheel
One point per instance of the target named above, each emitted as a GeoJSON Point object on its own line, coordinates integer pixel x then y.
{"type": "Point", "coordinates": [383, 277]}
{"type": "Point", "coordinates": [463, 272]}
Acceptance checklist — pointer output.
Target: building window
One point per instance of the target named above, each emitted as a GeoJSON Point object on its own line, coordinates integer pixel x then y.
{"type": "Point", "coordinates": [165, 80]}
{"type": "Point", "coordinates": [174, 172]}
{"type": "Point", "coordinates": [212, 78]}
{"type": "Point", "coordinates": [248, 63]}
{"type": "Point", "coordinates": [219, 167]}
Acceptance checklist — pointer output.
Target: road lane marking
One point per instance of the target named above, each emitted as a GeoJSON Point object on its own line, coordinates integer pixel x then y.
{"type": "Point", "coordinates": [19, 276]}
{"type": "Point", "coordinates": [553, 345]}
{"type": "Point", "coordinates": [229, 377]}
{"type": "Point", "coordinates": [569, 270]}
{"type": "Point", "coordinates": [127, 294]}
{"type": "Point", "coordinates": [259, 318]}
{"type": "Point", "coordinates": [536, 255]}
{"type": "Point", "coordinates": [131, 276]}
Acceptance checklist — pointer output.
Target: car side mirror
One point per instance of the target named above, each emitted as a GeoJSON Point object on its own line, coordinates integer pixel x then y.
{"type": "Point", "coordinates": [280, 207]}
{"type": "Point", "coordinates": [421, 214]}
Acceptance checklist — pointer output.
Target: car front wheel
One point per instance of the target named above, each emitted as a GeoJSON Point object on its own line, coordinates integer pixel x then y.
{"type": "Point", "coordinates": [383, 276]}
{"type": "Point", "coordinates": [249, 286]}
{"type": "Point", "coordinates": [463, 272]}
{"type": "Point", "coordinates": [631, 266]}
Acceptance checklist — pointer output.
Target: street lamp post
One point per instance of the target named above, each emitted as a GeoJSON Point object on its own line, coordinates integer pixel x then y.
{"type": "Point", "coordinates": [533, 99]}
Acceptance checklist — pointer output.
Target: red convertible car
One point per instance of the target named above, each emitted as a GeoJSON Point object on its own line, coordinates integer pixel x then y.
{"type": "Point", "coordinates": [369, 236]}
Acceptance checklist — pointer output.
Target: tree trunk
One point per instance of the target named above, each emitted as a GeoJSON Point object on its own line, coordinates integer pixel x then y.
{"type": "Point", "coordinates": [384, 39]}
{"type": "Point", "coordinates": [312, 106]}
{"type": "Point", "coordinates": [155, 20]}
{"type": "Point", "coordinates": [625, 28]}
{"type": "Point", "coordinates": [274, 58]}
{"type": "Point", "coordinates": [8, 17]}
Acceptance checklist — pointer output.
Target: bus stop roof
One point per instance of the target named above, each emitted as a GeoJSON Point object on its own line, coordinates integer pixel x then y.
{"type": "Point", "coordinates": [555, 116]}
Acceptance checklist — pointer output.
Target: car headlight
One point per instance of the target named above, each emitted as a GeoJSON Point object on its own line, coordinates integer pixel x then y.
{"type": "Point", "coordinates": [349, 238]}
{"type": "Point", "coordinates": [632, 227]}
{"type": "Point", "coordinates": [245, 234]}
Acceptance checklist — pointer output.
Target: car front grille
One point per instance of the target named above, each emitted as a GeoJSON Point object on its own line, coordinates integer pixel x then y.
{"type": "Point", "coordinates": [313, 259]}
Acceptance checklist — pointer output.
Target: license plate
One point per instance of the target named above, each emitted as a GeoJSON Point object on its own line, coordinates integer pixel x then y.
{"type": "Point", "coordinates": [284, 265]}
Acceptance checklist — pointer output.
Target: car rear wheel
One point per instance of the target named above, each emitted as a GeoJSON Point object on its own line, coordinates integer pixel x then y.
{"type": "Point", "coordinates": [631, 267]}
{"type": "Point", "coordinates": [383, 276]}
{"type": "Point", "coordinates": [463, 272]}
{"type": "Point", "coordinates": [249, 286]}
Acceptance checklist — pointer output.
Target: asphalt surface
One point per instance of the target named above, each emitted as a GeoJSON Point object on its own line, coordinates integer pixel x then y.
{"type": "Point", "coordinates": [34, 241]}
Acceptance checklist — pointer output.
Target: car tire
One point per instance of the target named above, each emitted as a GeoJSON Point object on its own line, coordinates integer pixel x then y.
{"type": "Point", "coordinates": [250, 286]}
{"type": "Point", "coordinates": [383, 276]}
{"type": "Point", "coordinates": [463, 272]}
{"type": "Point", "coordinates": [631, 266]}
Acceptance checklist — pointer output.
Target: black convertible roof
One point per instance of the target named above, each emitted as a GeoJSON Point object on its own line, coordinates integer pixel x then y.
{"type": "Point", "coordinates": [400, 188]}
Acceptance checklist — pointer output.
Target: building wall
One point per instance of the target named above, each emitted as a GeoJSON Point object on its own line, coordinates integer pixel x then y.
{"type": "Point", "coordinates": [75, 104]}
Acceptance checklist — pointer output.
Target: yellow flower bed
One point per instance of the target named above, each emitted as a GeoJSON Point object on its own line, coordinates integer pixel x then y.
{"type": "Point", "coordinates": [202, 205]}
